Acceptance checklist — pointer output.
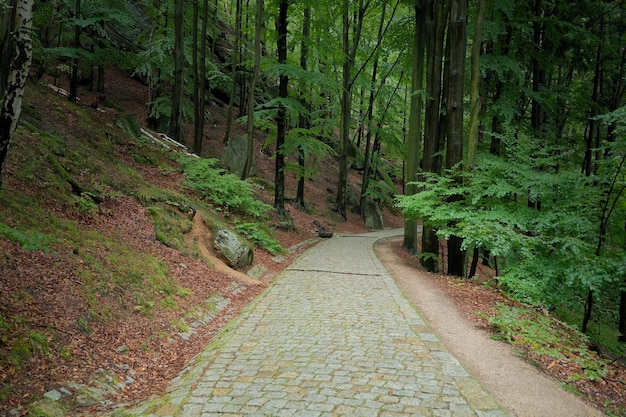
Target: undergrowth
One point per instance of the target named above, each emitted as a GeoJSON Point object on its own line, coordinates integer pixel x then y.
{"type": "Point", "coordinates": [29, 239]}
{"type": "Point", "coordinates": [545, 336]}
{"type": "Point", "coordinates": [225, 191]}
{"type": "Point", "coordinates": [260, 235]}
{"type": "Point", "coordinates": [19, 342]}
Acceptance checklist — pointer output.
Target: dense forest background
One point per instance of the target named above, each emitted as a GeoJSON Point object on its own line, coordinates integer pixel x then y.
{"type": "Point", "coordinates": [498, 125]}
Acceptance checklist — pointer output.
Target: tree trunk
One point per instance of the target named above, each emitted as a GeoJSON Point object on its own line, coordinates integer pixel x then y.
{"type": "Point", "coordinates": [414, 139]}
{"type": "Point", "coordinates": [198, 108]}
{"type": "Point", "coordinates": [176, 128]}
{"type": "Point", "coordinates": [73, 93]}
{"type": "Point", "coordinates": [281, 120]}
{"type": "Point", "coordinates": [251, 94]}
{"type": "Point", "coordinates": [622, 317]}
{"type": "Point", "coordinates": [472, 143]}
{"type": "Point", "coordinates": [435, 30]}
{"type": "Point", "coordinates": [588, 162]}
{"type": "Point", "coordinates": [369, 116]}
{"type": "Point", "coordinates": [17, 47]}
{"type": "Point", "coordinates": [304, 121]}
{"type": "Point", "coordinates": [350, 50]}
{"type": "Point", "coordinates": [234, 65]}
{"type": "Point", "coordinates": [454, 149]}
{"type": "Point", "coordinates": [346, 96]}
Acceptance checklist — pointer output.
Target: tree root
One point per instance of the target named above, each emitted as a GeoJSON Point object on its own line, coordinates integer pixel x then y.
{"type": "Point", "coordinates": [77, 188]}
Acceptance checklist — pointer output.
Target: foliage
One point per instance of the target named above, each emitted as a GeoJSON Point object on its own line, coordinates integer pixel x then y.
{"type": "Point", "coordinates": [260, 235]}
{"type": "Point", "coordinates": [547, 255]}
{"type": "Point", "coordinates": [226, 191]}
{"type": "Point", "coordinates": [97, 23]}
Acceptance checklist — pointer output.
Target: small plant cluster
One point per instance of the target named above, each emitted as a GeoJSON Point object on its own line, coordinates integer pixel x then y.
{"type": "Point", "coordinates": [28, 240]}
{"type": "Point", "coordinates": [18, 343]}
{"type": "Point", "coordinates": [226, 191]}
{"type": "Point", "coordinates": [543, 335]}
{"type": "Point", "coordinates": [260, 235]}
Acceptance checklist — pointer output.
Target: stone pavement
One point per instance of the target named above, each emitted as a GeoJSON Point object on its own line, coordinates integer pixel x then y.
{"type": "Point", "coordinates": [332, 336]}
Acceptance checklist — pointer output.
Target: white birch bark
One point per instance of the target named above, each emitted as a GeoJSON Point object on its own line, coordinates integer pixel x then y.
{"type": "Point", "coordinates": [20, 49]}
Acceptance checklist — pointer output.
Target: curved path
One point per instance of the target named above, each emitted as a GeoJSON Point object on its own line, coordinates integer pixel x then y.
{"type": "Point", "coordinates": [332, 336]}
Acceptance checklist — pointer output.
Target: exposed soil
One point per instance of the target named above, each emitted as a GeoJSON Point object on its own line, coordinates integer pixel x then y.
{"type": "Point", "coordinates": [144, 353]}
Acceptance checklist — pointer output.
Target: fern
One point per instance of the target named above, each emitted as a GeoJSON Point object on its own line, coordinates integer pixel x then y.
{"type": "Point", "coordinates": [29, 240]}
{"type": "Point", "coordinates": [260, 235]}
{"type": "Point", "coordinates": [224, 190]}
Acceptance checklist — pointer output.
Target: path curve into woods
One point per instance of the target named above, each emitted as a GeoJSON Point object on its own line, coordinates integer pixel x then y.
{"type": "Point", "coordinates": [335, 335]}
{"type": "Point", "coordinates": [519, 386]}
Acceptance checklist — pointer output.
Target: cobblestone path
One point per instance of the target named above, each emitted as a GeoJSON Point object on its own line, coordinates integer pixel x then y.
{"type": "Point", "coordinates": [333, 336]}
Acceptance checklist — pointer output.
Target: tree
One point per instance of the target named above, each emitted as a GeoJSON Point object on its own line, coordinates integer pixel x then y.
{"type": "Point", "coordinates": [199, 78]}
{"type": "Point", "coordinates": [235, 58]}
{"type": "Point", "coordinates": [304, 120]}
{"type": "Point", "coordinates": [15, 44]}
{"type": "Point", "coordinates": [176, 117]}
{"type": "Point", "coordinates": [454, 150]}
{"type": "Point", "coordinates": [281, 118]}
{"type": "Point", "coordinates": [73, 93]}
{"type": "Point", "coordinates": [435, 27]}
{"type": "Point", "coordinates": [251, 94]}
{"type": "Point", "coordinates": [474, 122]}
{"type": "Point", "coordinates": [350, 48]}
{"type": "Point", "coordinates": [414, 141]}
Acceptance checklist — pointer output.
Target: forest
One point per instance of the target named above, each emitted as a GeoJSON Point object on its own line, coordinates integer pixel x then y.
{"type": "Point", "coordinates": [499, 126]}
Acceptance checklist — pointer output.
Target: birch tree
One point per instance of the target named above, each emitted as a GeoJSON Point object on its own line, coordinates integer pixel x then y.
{"type": "Point", "coordinates": [15, 44]}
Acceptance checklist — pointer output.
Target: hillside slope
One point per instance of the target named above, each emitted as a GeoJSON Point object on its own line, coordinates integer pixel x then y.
{"type": "Point", "coordinates": [94, 307]}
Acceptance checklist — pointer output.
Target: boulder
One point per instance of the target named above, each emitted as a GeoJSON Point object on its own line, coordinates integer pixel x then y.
{"type": "Point", "coordinates": [130, 125]}
{"type": "Point", "coordinates": [351, 197]}
{"type": "Point", "coordinates": [236, 251]}
{"type": "Point", "coordinates": [372, 215]}
{"type": "Point", "coordinates": [234, 156]}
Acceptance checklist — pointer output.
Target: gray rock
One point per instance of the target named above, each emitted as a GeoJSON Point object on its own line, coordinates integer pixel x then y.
{"type": "Point", "coordinates": [372, 215]}
{"type": "Point", "coordinates": [234, 156]}
{"type": "Point", "coordinates": [351, 197]}
{"type": "Point", "coordinates": [235, 250]}
{"type": "Point", "coordinates": [130, 125]}
{"type": "Point", "coordinates": [53, 395]}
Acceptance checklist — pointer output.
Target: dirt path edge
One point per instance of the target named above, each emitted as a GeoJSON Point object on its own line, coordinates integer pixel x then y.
{"type": "Point", "coordinates": [519, 386]}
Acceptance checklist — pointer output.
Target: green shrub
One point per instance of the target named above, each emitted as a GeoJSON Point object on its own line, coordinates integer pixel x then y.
{"type": "Point", "coordinates": [224, 190]}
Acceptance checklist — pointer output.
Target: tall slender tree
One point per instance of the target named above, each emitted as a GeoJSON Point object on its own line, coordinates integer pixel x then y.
{"type": "Point", "coordinates": [198, 82]}
{"type": "Point", "coordinates": [435, 24]}
{"type": "Point", "coordinates": [304, 120]}
{"type": "Point", "coordinates": [176, 116]}
{"type": "Point", "coordinates": [17, 46]}
{"type": "Point", "coordinates": [474, 122]}
{"type": "Point", "coordinates": [247, 167]}
{"type": "Point", "coordinates": [454, 149]}
{"type": "Point", "coordinates": [281, 118]}
{"type": "Point", "coordinates": [369, 115]}
{"type": "Point", "coordinates": [73, 93]}
{"type": "Point", "coordinates": [235, 58]}
{"type": "Point", "coordinates": [414, 139]}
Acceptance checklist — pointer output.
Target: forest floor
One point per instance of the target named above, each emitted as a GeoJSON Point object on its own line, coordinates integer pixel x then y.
{"type": "Point", "coordinates": [44, 288]}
